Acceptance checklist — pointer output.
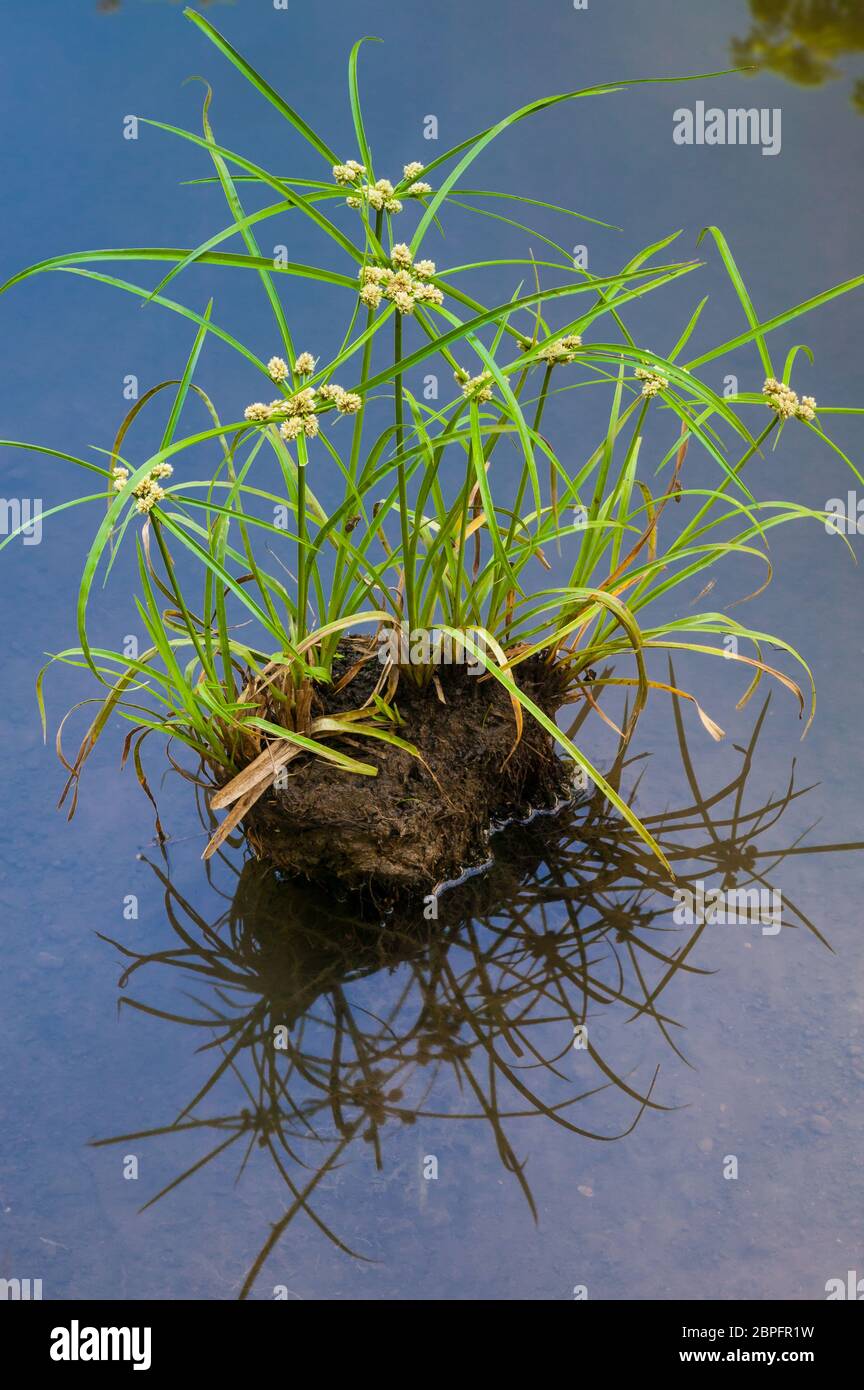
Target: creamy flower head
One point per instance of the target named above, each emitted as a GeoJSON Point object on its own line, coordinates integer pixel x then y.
{"type": "Point", "coordinates": [419, 190]}
{"type": "Point", "coordinates": [301, 422]}
{"type": "Point", "coordinates": [303, 402]}
{"type": "Point", "coordinates": [348, 172]}
{"type": "Point", "coordinates": [346, 402]}
{"type": "Point", "coordinates": [292, 427]}
{"type": "Point", "coordinates": [561, 351]}
{"type": "Point", "coordinates": [404, 301]}
{"type": "Point", "coordinates": [402, 282]}
{"type": "Point", "coordinates": [257, 411]}
{"type": "Point", "coordinates": [413, 169]}
{"type": "Point", "coordinates": [277, 368]}
{"type": "Point", "coordinates": [652, 382]}
{"type": "Point", "coordinates": [147, 503]}
{"type": "Point", "coordinates": [476, 388]}
{"type": "Point", "coordinates": [380, 196]}
{"type": "Point", "coordinates": [428, 294]}
{"type": "Point", "coordinates": [148, 494]}
{"type": "Point", "coordinates": [305, 364]}
{"type": "Point", "coordinates": [785, 401]}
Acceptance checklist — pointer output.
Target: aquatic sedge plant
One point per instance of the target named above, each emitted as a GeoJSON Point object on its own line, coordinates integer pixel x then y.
{"type": "Point", "coordinates": [430, 533]}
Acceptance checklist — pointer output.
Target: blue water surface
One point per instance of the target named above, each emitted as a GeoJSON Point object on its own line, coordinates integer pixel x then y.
{"type": "Point", "coordinates": [760, 1046]}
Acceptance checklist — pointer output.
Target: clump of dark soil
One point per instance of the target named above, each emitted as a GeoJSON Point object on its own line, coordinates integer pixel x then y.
{"type": "Point", "coordinates": [413, 827]}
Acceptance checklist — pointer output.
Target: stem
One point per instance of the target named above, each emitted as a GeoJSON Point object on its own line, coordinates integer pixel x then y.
{"type": "Point", "coordinates": [407, 565]}
{"type": "Point", "coordinates": [456, 601]}
{"type": "Point", "coordinates": [495, 600]}
{"type": "Point", "coordinates": [354, 458]}
{"type": "Point", "coordinates": [302, 569]}
{"type": "Point", "coordinates": [593, 547]}
{"type": "Point", "coordinates": [523, 481]}
{"type": "Point", "coordinates": [181, 602]}
{"type": "Point", "coordinates": [727, 483]}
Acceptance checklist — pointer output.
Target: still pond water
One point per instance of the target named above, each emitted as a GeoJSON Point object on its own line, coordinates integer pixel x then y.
{"type": "Point", "coordinates": [432, 1126]}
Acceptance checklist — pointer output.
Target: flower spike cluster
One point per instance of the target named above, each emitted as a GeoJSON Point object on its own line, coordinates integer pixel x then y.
{"type": "Point", "coordinates": [786, 402]}
{"type": "Point", "coordinates": [346, 402]}
{"type": "Point", "coordinates": [404, 281]}
{"type": "Point", "coordinates": [652, 382]}
{"type": "Point", "coordinates": [475, 388]}
{"type": "Point", "coordinates": [381, 194]}
{"type": "Point", "coordinates": [415, 189]}
{"type": "Point", "coordinates": [277, 367]}
{"type": "Point", "coordinates": [378, 195]}
{"type": "Point", "coordinates": [298, 414]}
{"type": "Point", "coordinates": [348, 172]}
{"type": "Point", "coordinates": [148, 492]}
{"type": "Point", "coordinates": [563, 350]}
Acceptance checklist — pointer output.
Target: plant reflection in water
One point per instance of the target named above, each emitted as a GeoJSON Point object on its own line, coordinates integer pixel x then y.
{"type": "Point", "coordinates": [574, 918]}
